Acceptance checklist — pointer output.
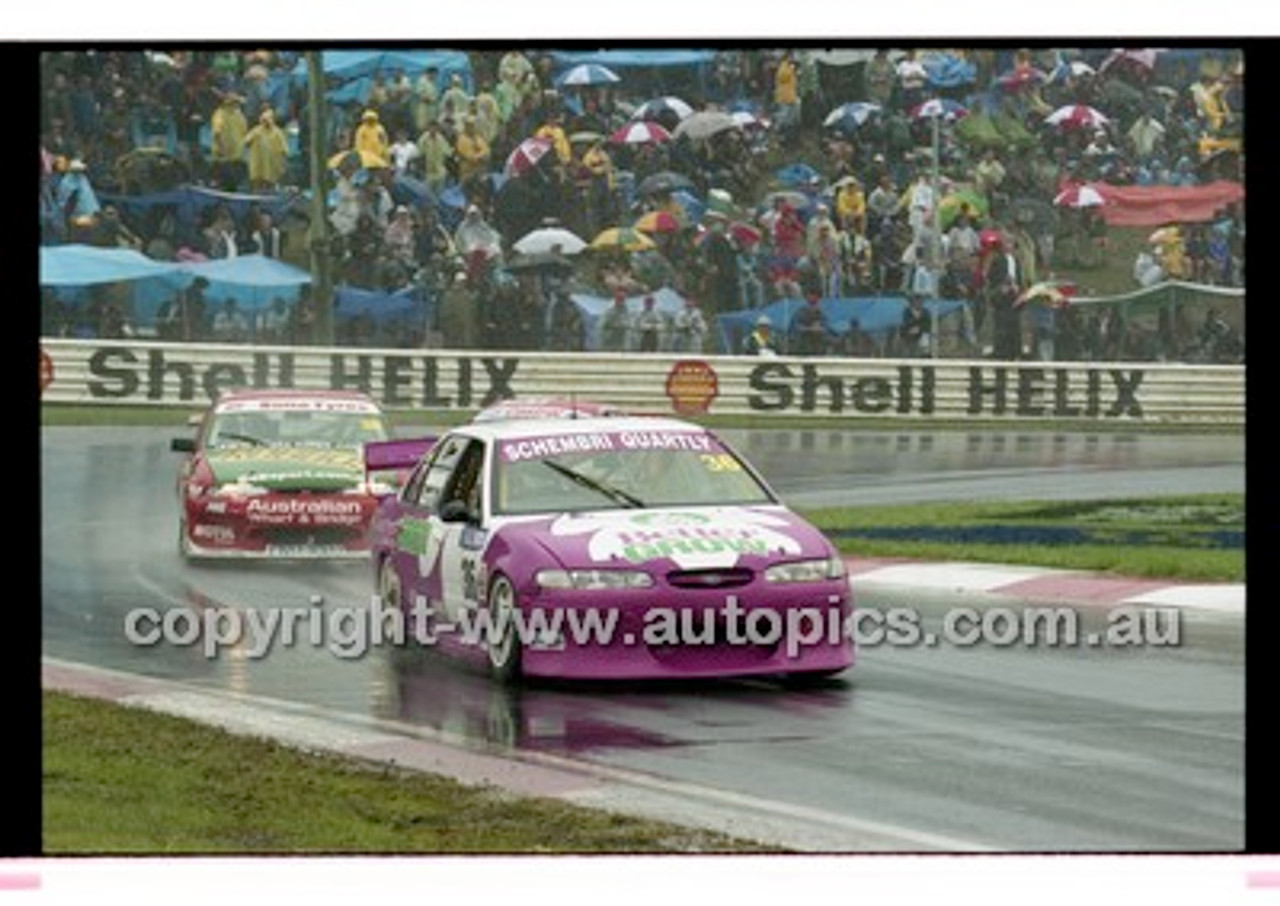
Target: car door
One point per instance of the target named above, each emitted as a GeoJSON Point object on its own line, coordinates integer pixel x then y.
{"type": "Point", "coordinates": [433, 556]}
{"type": "Point", "coordinates": [462, 536]}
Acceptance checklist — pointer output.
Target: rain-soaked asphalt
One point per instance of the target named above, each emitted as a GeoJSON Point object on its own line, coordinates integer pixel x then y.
{"type": "Point", "coordinates": [1028, 749]}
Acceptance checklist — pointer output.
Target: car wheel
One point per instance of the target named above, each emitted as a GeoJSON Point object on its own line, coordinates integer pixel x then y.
{"type": "Point", "coordinates": [503, 647]}
{"type": "Point", "coordinates": [391, 596]}
{"type": "Point", "coordinates": [390, 592]}
{"type": "Point", "coordinates": [184, 543]}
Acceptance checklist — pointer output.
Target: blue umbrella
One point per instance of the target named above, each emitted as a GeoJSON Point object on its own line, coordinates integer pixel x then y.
{"type": "Point", "coordinates": [797, 175]}
{"type": "Point", "coordinates": [850, 116]}
{"type": "Point", "coordinates": [411, 191]}
{"type": "Point", "coordinates": [587, 74]}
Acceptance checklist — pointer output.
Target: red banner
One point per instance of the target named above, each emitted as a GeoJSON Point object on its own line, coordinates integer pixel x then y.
{"type": "Point", "coordinates": [1157, 205]}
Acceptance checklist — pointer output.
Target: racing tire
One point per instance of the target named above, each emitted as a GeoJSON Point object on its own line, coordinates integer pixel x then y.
{"type": "Point", "coordinates": [503, 652]}
{"type": "Point", "coordinates": [391, 594]}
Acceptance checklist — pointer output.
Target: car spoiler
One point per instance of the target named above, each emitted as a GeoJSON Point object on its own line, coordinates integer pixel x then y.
{"type": "Point", "coordinates": [384, 455]}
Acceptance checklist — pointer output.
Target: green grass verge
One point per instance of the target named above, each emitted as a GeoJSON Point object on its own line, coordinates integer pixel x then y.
{"type": "Point", "coordinates": [129, 781]}
{"type": "Point", "coordinates": [1175, 534]}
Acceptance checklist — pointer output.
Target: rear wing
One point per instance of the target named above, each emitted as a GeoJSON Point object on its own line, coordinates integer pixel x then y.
{"type": "Point", "coordinates": [385, 455]}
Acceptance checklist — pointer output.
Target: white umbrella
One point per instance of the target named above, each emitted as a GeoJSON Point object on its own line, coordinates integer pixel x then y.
{"type": "Point", "coordinates": [705, 124]}
{"type": "Point", "coordinates": [1079, 115]}
{"type": "Point", "coordinates": [640, 132]}
{"type": "Point", "coordinates": [546, 239]}
{"type": "Point", "coordinates": [668, 104]}
{"type": "Point", "coordinates": [588, 74]}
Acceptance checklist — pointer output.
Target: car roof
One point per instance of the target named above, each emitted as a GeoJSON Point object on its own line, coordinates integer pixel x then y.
{"type": "Point", "coordinates": [541, 427]}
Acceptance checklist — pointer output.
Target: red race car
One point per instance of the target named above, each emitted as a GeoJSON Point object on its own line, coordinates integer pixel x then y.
{"type": "Point", "coordinates": [281, 474]}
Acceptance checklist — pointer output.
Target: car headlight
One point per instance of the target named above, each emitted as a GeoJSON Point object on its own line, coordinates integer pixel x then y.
{"type": "Point", "coordinates": [806, 571]}
{"type": "Point", "coordinates": [592, 579]}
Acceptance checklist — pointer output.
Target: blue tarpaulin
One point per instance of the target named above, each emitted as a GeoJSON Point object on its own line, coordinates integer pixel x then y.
{"type": "Point", "coordinates": [665, 300]}
{"type": "Point", "coordinates": [947, 71]}
{"type": "Point", "coordinates": [623, 59]}
{"type": "Point", "coordinates": [875, 315]}
{"type": "Point", "coordinates": [85, 265]}
{"type": "Point", "coordinates": [348, 65]}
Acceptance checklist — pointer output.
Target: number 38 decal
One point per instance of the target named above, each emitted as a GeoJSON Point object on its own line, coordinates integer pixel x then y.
{"type": "Point", "coordinates": [720, 462]}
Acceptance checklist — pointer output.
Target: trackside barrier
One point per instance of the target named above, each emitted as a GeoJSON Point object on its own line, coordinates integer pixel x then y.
{"type": "Point", "coordinates": [116, 372]}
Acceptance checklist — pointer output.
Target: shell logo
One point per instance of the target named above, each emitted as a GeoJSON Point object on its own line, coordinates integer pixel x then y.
{"type": "Point", "coordinates": [46, 371]}
{"type": "Point", "coordinates": [692, 385]}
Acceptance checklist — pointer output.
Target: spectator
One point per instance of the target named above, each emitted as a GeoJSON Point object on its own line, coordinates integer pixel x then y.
{"type": "Point", "coordinates": [809, 333]}
{"type": "Point", "coordinates": [615, 324]}
{"type": "Point", "coordinates": [264, 237]}
{"type": "Point", "coordinates": [267, 148]}
{"type": "Point", "coordinates": [649, 327]}
{"type": "Point", "coordinates": [436, 155]}
{"type": "Point", "coordinates": [914, 336]}
{"type": "Point", "coordinates": [760, 340]}
{"type": "Point", "coordinates": [689, 328]}
{"type": "Point", "coordinates": [227, 130]}
{"type": "Point", "coordinates": [371, 141]}
{"type": "Point", "coordinates": [273, 323]}
{"type": "Point", "coordinates": [230, 324]}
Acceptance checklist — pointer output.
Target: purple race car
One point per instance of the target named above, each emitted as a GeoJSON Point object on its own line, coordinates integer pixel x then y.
{"type": "Point", "coordinates": [620, 547]}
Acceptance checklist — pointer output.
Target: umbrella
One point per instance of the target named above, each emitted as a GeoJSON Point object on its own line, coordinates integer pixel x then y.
{"type": "Point", "coordinates": [652, 109]}
{"type": "Point", "coordinates": [368, 160]}
{"type": "Point", "coordinates": [1052, 293]}
{"type": "Point", "coordinates": [1079, 196]}
{"type": "Point", "coordinates": [549, 239]}
{"type": "Point", "coordinates": [1076, 116]}
{"type": "Point", "coordinates": [585, 138]}
{"type": "Point", "coordinates": [939, 107]}
{"type": "Point", "coordinates": [658, 222]}
{"type": "Point", "coordinates": [745, 119]}
{"type": "Point", "coordinates": [539, 261]}
{"type": "Point", "coordinates": [953, 203]}
{"type": "Point", "coordinates": [641, 132]}
{"type": "Point", "coordinates": [850, 116]}
{"type": "Point", "coordinates": [703, 124]}
{"type": "Point", "coordinates": [587, 74]}
{"type": "Point", "coordinates": [663, 181]}
{"type": "Point", "coordinates": [1139, 60]}
{"type": "Point", "coordinates": [412, 191]}
{"type": "Point", "coordinates": [526, 156]}
{"type": "Point", "coordinates": [794, 199]}
{"type": "Point", "coordinates": [1021, 77]}
{"type": "Point", "coordinates": [797, 174]}
{"type": "Point", "coordinates": [743, 234]}
{"type": "Point", "coordinates": [622, 239]}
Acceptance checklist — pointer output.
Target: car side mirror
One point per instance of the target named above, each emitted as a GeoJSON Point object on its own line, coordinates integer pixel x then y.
{"type": "Point", "coordinates": [455, 511]}
{"type": "Point", "coordinates": [183, 445]}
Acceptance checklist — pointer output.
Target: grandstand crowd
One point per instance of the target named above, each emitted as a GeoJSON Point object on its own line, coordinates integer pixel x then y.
{"type": "Point", "coordinates": [714, 183]}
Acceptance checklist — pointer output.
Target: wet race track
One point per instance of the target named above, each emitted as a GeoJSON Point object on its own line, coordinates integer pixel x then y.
{"type": "Point", "coordinates": [1007, 748]}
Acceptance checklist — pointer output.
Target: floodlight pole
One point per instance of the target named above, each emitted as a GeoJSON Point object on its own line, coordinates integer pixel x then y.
{"type": "Point", "coordinates": [936, 244]}
{"type": "Point", "coordinates": [319, 236]}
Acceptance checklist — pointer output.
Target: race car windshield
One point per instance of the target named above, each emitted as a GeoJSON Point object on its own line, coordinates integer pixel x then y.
{"type": "Point", "coordinates": [312, 428]}
{"type": "Point", "coordinates": [615, 479]}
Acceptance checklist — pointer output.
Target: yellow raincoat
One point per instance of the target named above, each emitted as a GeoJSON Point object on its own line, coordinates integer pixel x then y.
{"type": "Point", "coordinates": [268, 152]}
{"type": "Point", "coordinates": [227, 128]}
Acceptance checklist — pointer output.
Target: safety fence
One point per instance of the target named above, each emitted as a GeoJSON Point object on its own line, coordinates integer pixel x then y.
{"type": "Point", "coordinates": [120, 372]}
